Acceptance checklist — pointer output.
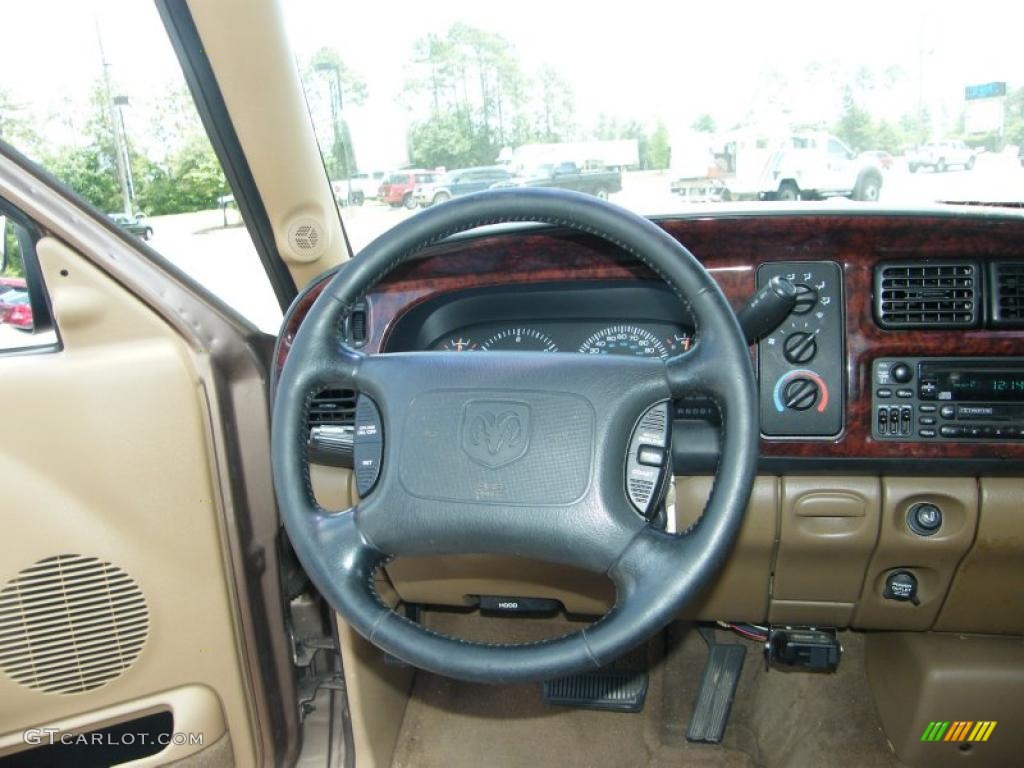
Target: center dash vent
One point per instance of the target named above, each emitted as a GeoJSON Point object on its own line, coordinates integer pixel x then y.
{"type": "Point", "coordinates": [330, 423]}
{"type": "Point", "coordinates": [1007, 304]}
{"type": "Point", "coordinates": [929, 294]}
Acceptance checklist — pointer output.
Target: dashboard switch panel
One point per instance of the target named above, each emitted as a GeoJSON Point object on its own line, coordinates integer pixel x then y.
{"type": "Point", "coordinates": [800, 364]}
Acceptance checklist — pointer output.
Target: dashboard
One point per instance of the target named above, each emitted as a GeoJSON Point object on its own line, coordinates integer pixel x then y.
{"type": "Point", "coordinates": [872, 306]}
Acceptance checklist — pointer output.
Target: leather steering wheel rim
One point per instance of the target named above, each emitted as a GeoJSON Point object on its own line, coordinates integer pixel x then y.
{"type": "Point", "coordinates": [577, 412]}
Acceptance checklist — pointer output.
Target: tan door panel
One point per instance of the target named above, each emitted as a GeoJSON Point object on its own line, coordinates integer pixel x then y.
{"type": "Point", "coordinates": [111, 464]}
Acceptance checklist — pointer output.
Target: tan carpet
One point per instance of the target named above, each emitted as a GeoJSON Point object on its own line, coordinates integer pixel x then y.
{"type": "Point", "coordinates": [778, 718]}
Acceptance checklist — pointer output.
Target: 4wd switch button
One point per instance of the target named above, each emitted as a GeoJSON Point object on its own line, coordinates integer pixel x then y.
{"type": "Point", "coordinates": [924, 518]}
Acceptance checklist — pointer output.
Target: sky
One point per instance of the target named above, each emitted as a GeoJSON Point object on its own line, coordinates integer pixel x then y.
{"type": "Point", "coordinates": [643, 60]}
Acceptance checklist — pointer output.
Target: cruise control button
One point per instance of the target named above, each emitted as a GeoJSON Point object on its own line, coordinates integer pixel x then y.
{"type": "Point", "coordinates": [651, 456]}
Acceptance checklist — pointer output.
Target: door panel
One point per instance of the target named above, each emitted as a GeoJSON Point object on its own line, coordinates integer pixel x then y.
{"type": "Point", "coordinates": [108, 459]}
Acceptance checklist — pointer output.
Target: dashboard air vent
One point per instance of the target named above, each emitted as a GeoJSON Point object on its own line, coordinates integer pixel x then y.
{"type": "Point", "coordinates": [331, 423]}
{"type": "Point", "coordinates": [927, 294]}
{"type": "Point", "coordinates": [333, 407]}
{"type": "Point", "coordinates": [1007, 281]}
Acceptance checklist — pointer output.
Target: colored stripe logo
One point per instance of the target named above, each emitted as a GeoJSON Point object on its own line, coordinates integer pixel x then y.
{"type": "Point", "coordinates": [959, 730]}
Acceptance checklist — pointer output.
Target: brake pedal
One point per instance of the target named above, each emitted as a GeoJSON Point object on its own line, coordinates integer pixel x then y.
{"type": "Point", "coordinates": [717, 690]}
{"type": "Point", "coordinates": [619, 687]}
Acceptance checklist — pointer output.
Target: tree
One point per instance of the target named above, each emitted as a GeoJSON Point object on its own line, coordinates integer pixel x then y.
{"type": "Point", "coordinates": [477, 99]}
{"type": "Point", "coordinates": [1014, 120]}
{"type": "Point", "coordinates": [344, 88]}
{"type": "Point", "coordinates": [657, 149]}
{"type": "Point", "coordinates": [854, 126]}
{"type": "Point", "coordinates": [557, 106]}
{"type": "Point", "coordinates": [704, 124]}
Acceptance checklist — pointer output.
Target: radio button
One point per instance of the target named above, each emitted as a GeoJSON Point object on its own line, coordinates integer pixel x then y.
{"type": "Point", "coordinates": [884, 393]}
{"type": "Point", "coordinates": [927, 389]}
{"type": "Point", "coordinates": [901, 373]}
{"type": "Point", "coordinates": [948, 412]}
{"type": "Point", "coordinates": [927, 408]}
{"type": "Point", "coordinates": [927, 433]}
{"type": "Point", "coordinates": [948, 430]}
{"type": "Point", "coordinates": [926, 421]}
{"type": "Point", "coordinates": [904, 393]}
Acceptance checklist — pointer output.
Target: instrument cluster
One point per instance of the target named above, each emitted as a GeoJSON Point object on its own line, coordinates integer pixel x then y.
{"type": "Point", "coordinates": [646, 339]}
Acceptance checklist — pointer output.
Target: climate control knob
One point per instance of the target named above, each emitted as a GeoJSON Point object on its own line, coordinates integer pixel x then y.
{"type": "Point", "coordinates": [800, 394]}
{"type": "Point", "coordinates": [800, 347]}
{"type": "Point", "coordinates": [806, 298]}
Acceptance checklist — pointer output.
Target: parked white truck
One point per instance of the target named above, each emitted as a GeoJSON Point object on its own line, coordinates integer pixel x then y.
{"type": "Point", "coordinates": [795, 166]}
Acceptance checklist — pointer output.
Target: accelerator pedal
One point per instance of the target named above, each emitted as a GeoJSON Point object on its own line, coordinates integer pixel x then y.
{"type": "Point", "coordinates": [717, 690]}
{"type": "Point", "coordinates": [619, 687]}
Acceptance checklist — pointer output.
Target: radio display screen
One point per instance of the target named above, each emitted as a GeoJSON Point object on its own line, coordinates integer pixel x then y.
{"type": "Point", "coordinates": [971, 384]}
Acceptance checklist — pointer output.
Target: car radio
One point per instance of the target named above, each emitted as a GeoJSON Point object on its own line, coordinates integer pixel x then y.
{"type": "Point", "coordinates": [947, 398]}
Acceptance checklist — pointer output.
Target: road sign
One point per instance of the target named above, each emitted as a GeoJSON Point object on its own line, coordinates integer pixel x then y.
{"type": "Point", "coordinates": [985, 91]}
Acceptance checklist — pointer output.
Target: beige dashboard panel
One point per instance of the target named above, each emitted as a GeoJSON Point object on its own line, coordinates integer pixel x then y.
{"type": "Point", "coordinates": [931, 559]}
{"type": "Point", "coordinates": [987, 594]}
{"type": "Point", "coordinates": [114, 468]}
{"type": "Point", "coordinates": [922, 678]}
{"type": "Point", "coordinates": [827, 531]}
{"type": "Point", "coordinates": [740, 593]}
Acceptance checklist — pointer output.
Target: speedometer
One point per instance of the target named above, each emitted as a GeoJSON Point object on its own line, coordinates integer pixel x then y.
{"type": "Point", "coordinates": [624, 340]}
{"type": "Point", "coordinates": [520, 340]}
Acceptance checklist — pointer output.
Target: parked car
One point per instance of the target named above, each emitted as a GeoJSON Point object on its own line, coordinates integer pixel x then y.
{"type": "Point", "coordinates": [940, 155]}
{"type": "Point", "coordinates": [367, 185]}
{"type": "Point", "coordinates": [357, 190]}
{"type": "Point", "coordinates": [569, 176]}
{"type": "Point", "coordinates": [398, 188]}
{"type": "Point", "coordinates": [16, 310]}
{"type": "Point", "coordinates": [137, 226]}
{"type": "Point", "coordinates": [883, 159]}
{"type": "Point", "coordinates": [460, 182]}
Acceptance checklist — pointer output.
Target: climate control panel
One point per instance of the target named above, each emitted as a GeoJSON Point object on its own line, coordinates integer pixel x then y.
{"type": "Point", "coordinates": [800, 364]}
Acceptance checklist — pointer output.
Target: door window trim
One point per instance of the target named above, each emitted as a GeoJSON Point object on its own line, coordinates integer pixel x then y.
{"type": "Point", "coordinates": [38, 296]}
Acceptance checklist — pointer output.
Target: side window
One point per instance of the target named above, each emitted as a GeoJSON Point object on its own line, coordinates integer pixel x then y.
{"type": "Point", "coordinates": [836, 148]}
{"type": "Point", "coordinates": [24, 312]}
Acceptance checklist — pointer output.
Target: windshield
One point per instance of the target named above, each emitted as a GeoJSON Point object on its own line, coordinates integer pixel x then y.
{"type": "Point", "coordinates": [902, 104]}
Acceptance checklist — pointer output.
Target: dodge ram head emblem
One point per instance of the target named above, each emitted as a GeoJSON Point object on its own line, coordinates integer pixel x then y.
{"type": "Point", "coordinates": [496, 432]}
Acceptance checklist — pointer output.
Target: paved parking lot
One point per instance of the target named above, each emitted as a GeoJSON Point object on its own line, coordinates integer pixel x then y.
{"type": "Point", "coordinates": [222, 257]}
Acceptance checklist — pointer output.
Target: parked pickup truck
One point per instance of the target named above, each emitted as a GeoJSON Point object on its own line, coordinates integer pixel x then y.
{"type": "Point", "coordinates": [746, 165]}
{"type": "Point", "coordinates": [568, 176]}
{"type": "Point", "coordinates": [940, 155]}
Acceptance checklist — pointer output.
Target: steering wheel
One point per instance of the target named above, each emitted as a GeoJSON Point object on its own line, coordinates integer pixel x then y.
{"type": "Point", "coordinates": [514, 453]}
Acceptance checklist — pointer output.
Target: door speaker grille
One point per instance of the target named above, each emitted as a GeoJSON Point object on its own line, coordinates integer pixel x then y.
{"type": "Point", "coordinates": [70, 623]}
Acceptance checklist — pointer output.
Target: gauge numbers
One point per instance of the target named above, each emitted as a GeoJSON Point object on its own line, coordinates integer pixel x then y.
{"type": "Point", "coordinates": [624, 340]}
{"type": "Point", "coordinates": [520, 340]}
